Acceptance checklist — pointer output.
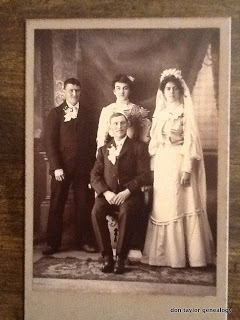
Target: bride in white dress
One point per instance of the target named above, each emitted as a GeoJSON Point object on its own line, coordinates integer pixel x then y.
{"type": "Point", "coordinates": [178, 231]}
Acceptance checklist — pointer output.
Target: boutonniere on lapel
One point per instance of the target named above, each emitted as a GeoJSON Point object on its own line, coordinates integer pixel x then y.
{"type": "Point", "coordinates": [69, 113]}
{"type": "Point", "coordinates": [113, 153]}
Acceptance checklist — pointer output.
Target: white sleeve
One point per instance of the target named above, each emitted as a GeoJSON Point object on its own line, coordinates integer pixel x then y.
{"type": "Point", "coordinates": [103, 127]}
{"type": "Point", "coordinates": [187, 164]}
{"type": "Point", "coordinates": [154, 141]}
{"type": "Point", "coordinates": [153, 144]}
{"type": "Point", "coordinates": [144, 131]}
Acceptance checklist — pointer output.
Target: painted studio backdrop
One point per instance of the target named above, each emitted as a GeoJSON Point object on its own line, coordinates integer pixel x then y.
{"type": "Point", "coordinates": [95, 56]}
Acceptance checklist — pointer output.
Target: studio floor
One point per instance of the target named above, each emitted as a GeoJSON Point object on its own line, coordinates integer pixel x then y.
{"type": "Point", "coordinates": [78, 270]}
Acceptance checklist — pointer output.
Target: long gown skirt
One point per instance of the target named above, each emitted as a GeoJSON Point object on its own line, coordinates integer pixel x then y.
{"type": "Point", "coordinates": [178, 231]}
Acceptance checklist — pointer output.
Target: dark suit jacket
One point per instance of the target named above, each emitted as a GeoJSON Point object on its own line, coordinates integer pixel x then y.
{"type": "Point", "coordinates": [132, 169]}
{"type": "Point", "coordinates": [69, 145]}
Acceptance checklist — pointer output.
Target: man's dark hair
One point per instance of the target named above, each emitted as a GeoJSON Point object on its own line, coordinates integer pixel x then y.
{"type": "Point", "coordinates": [72, 81]}
{"type": "Point", "coordinates": [118, 114]}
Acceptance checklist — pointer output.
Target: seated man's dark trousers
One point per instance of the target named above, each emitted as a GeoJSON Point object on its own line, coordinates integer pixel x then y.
{"type": "Point", "coordinates": [126, 213]}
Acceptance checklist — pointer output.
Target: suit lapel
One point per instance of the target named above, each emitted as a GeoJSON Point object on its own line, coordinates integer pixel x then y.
{"type": "Point", "coordinates": [64, 105]}
{"type": "Point", "coordinates": [79, 124]}
{"type": "Point", "coordinates": [111, 143]}
{"type": "Point", "coordinates": [125, 147]}
{"type": "Point", "coordinates": [106, 148]}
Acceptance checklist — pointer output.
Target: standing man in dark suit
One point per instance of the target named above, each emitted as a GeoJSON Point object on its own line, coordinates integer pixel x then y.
{"type": "Point", "coordinates": [70, 159]}
{"type": "Point", "coordinates": [121, 169]}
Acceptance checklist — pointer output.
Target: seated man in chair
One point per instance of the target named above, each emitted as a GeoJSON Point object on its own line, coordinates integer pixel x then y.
{"type": "Point", "coordinates": [121, 169]}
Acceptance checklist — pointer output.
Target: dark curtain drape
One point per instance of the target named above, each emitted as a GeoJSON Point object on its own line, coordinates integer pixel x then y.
{"type": "Point", "coordinates": [143, 54]}
{"type": "Point", "coordinates": [102, 53]}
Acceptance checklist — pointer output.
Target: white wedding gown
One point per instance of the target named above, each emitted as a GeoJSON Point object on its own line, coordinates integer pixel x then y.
{"type": "Point", "coordinates": [178, 231]}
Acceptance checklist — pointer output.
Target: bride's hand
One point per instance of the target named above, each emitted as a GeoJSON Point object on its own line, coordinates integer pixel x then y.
{"type": "Point", "coordinates": [185, 179]}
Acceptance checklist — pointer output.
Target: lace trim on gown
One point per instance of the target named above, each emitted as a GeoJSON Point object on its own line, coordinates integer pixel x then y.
{"type": "Point", "coordinates": [187, 241]}
{"type": "Point", "coordinates": [186, 214]}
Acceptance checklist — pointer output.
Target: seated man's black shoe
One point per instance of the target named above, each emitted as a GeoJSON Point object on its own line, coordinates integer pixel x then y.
{"type": "Point", "coordinates": [49, 251]}
{"type": "Point", "coordinates": [120, 266]}
{"type": "Point", "coordinates": [88, 248]}
{"type": "Point", "coordinates": [108, 265]}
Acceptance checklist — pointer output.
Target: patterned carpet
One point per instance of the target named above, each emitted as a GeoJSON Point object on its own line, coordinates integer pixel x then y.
{"type": "Point", "coordinates": [89, 269]}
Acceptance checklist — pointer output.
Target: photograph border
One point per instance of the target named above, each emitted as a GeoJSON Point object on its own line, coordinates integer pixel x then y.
{"type": "Point", "coordinates": [36, 299]}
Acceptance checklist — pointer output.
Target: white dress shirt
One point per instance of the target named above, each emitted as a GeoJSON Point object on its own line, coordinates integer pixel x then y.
{"type": "Point", "coordinates": [119, 144]}
{"type": "Point", "coordinates": [73, 110]}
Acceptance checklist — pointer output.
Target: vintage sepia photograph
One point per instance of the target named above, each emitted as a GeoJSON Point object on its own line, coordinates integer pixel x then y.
{"type": "Point", "coordinates": [127, 145]}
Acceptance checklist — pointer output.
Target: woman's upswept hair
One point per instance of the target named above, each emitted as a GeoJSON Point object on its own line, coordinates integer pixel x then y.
{"type": "Point", "coordinates": [173, 79]}
{"type": "Point", "coordinates": [122, 78]}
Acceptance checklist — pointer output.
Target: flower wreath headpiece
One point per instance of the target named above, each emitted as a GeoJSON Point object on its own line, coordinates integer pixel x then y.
{"type": "Point", "coordinates": [171, 72]}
